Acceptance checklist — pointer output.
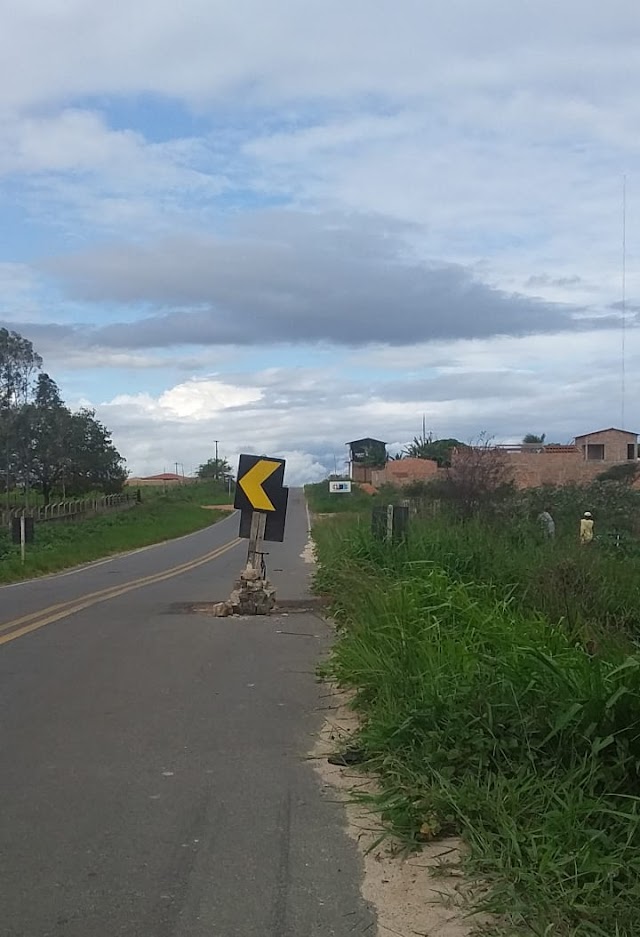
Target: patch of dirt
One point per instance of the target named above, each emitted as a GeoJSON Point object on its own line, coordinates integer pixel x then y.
{"type": "Point", "coordinates": [217, 507]}
{"type": "Point", "coordinates": [424, 894]}
{"type": "Point", "coordinates": [308, 555]}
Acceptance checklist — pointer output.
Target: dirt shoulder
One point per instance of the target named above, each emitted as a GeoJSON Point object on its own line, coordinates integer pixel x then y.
{"type": "Point", "coordinates": [424, 894]}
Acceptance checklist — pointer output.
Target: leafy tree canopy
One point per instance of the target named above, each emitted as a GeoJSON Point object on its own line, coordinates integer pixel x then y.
{"type": "Point", "coordinates": [214, 468]}
{"type": "Point", "coordinates": [439, 450]}
{"type": "Point", "coordinates": [44, 445]}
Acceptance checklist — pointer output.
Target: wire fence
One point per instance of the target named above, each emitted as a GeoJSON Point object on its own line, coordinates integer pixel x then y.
{"type": "Point", "coordinates": [69, 510]}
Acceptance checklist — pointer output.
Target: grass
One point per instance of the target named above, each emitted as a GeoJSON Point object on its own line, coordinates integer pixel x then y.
{"type": "Point", "coordinates": [59, 545]}
{"type": "Point", "coordinates": [357, 501]}
{"type": "Point", "coordinates": [207, 492]}
{"type": "Point", "coordinates": [486, 713]}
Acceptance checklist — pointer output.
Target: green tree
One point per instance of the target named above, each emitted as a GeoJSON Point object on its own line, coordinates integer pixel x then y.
{"type": "Point", "coordinates": [530, 439]}
{"type": "Point", "coordinates": [439, 450]}
{"type": "Point", "coordinates": [94, 462]}
{"type": "Point", "coordinates": [214, 468]}
{"type": "Point", "coordinates": [18, 364]}
{"type": "Point", "coordinates": [41, 441]}
{"type": "Point", "coordinates": [50, 436]}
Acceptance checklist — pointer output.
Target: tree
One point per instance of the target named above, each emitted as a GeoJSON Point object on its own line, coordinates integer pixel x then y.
{"type": "Point", "coordinates": [214, 468]}
{"type": "Point", "coordinates": [41, 441]}
{"type": "Point", "coordinates": [50, 436]}
{"type": "Point", "coordinates": [18, 363]}
{"type": "Point", "coordinates": [94, 462]}
{"type": "Point", "coordinates": [530, 439]}
{"type": "Point", "coordinates": [479, 478]}
{"type": "Point", "coordinates": [439, 450]}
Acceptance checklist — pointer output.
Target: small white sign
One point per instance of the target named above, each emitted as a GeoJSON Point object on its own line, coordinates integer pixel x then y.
{"type": "Point", "coordinates": [340, 488]}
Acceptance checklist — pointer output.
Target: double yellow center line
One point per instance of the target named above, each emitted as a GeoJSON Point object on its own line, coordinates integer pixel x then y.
{"type": "Point", "coordinates": [11, 630]}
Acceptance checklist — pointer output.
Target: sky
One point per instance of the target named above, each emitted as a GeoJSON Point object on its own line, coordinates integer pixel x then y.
{"type": "Point", "coordinates": [284, 226]}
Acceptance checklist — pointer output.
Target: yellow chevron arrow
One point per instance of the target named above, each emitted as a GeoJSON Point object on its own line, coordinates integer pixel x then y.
{"type": "Point", "coordinates": [252, 482]}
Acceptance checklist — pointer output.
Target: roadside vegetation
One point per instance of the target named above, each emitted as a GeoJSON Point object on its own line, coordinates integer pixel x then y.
{"type": "Point", "coordinates": [160, 516]}
{"type": "Point", "coordinates": [321, 501]}
{"type": "Point", "coordinates": [497, 676]}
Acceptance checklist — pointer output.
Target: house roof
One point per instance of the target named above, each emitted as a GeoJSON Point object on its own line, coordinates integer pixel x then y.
{"type": "Point", "coordinates": [609, 429]}
{"type": "Point", "coordinates": [357, 442]}
{"type": "Point", "coordinates": [163, 477]}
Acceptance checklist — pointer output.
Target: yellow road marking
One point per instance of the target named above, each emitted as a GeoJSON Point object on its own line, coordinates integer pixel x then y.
{"type": "Point", "coordinates": [112, 557]}
{"type": "Point", "coordinates": [174, 570]}
{"type": "Point", "coordinates": [53, 613]}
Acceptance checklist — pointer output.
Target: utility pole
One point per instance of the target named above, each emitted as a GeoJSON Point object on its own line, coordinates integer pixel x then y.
{"type": "Point", "coordinates": [217, 475]}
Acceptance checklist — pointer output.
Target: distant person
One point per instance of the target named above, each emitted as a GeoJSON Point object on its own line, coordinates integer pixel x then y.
{"type": "Point", "coordinates": [547, 523]}
{"type": "Point", "coordinates": [586, 527]}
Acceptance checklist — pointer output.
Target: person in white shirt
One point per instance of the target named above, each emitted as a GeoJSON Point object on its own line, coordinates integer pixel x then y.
{"type": "Point", "coordinates": [547, 523]}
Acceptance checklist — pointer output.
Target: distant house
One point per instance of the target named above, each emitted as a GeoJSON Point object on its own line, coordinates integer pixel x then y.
{"type": "Point", "coordinates": [534, 464]}
{"type": "Point", "coordinates": [608, 445]}
{"type": "Point", "coordinates": [164, 479]}
{"type": "Point", "coordinates": [364, 456]}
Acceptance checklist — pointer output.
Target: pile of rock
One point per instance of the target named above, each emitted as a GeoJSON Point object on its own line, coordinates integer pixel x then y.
{"type": "Point", "coordinates": [251, 595]}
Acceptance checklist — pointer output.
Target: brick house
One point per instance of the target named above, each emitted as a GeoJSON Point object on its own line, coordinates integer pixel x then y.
{"type": "Point", "coordinates": [531, 464]}
{"type": "Point", "coordinates": [365, 455]}
{"type": "Point", "coordinates": [581, 462]}
{"type": "Point", "coordinates": [608, 445]}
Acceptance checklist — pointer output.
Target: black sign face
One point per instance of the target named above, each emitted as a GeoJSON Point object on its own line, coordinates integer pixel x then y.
{"type": "Point", "coordinates": [29, 530]}
{"type": "Point", "coordinates": [260, 483]}
{"type": "Point", "coordinates": [274, 528]}
{"type": "Point", "coordinates": [260, 488]}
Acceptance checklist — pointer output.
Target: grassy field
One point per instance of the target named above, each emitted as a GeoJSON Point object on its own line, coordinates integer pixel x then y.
{"type": "Point", "coordinates": [498, 681]}
{"type": "Point", "coordinates": [160, 516]}
{"type": "Point", "coordinates": [321, 501]}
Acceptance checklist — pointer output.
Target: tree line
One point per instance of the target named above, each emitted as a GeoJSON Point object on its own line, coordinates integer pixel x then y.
{"type": "Point", "coordinates": [44, 446]}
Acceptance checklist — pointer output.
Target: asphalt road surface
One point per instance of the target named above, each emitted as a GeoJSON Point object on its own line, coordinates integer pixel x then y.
{"type": "Point", "coordinates": [153, 763]}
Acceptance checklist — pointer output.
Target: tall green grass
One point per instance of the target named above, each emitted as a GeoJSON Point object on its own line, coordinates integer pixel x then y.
{"type": "Point", "coordinates": [322, 501]}
{"type": "Point", "coordinates": [59, 545]}
{"type": "Point", "coordinates": [486, 715]}
{"type": "Point", "coordinates": [594, 589]}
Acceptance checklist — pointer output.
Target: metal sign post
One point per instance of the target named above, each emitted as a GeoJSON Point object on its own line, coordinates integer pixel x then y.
{"type": "Point", "coordinates": [22, 533]}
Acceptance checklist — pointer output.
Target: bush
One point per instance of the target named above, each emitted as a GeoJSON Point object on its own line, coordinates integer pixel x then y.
{"type": "Point", "coordinates": [483, 714]}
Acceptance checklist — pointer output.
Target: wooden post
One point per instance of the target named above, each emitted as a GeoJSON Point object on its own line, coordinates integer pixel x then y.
{"type": "Point", "coordinates": [256, 538]}
{"type": "Point", "coordinates": [389, 536]}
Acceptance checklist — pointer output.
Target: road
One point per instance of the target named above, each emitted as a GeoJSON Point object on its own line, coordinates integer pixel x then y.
{"type": "Point", "coordinates": [153, 767]}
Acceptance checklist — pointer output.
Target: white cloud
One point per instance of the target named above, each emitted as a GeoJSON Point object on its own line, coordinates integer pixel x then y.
{"type": "Point", "coordinates": [561, 387]}
{"type": "Point", "coordinates": [194, 401]}
{"type": "Point", "coordinates": [203, 49]}
{"type": "Point", "coordinates": [493, 135]}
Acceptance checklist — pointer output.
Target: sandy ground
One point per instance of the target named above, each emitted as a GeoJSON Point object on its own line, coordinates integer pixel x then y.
{"type": "Point", "coordinates": [422, 894]}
